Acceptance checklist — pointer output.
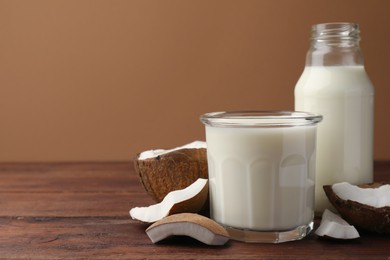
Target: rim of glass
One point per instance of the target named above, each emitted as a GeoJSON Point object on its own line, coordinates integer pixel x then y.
{"type": "Point", "coordinates": [248, 119]}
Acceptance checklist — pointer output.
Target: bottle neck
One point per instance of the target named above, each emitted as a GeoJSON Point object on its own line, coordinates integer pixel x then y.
{"type": "Point", "coordinates": [335, 44]}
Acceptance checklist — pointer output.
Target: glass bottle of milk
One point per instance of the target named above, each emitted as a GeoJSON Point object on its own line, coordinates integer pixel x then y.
{"type": "Point", "coordinates": [334, 84]}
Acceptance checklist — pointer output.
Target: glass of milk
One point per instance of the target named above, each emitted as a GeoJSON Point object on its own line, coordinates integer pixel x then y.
{"type": "Point", "coordinates": [262, 173]}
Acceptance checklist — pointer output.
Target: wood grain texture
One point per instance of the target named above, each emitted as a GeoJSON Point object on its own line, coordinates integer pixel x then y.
{"type": "Point", "coordinates": [80, 210]}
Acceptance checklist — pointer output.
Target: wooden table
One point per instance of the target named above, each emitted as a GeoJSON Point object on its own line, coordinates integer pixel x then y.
{"type": "Point", "coordinates": [80, 210]}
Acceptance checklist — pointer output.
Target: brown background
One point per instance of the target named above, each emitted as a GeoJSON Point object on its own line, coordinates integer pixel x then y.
{"type": "Point", "coordinates": [102, 80]}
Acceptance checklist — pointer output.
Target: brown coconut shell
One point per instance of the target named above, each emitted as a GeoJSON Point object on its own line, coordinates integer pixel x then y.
{"type": "Point", "coordinates": [192, 218]}
{"type": "Point", "coordinates": [188, 224]}
{"type": "Point", "coordinates": [171, 171]}
{"type": "Point", "coordinates": [360, 215]}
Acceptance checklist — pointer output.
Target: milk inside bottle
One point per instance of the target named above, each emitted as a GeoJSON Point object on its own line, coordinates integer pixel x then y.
{"type": "Point", "coordinates": [335, 84]}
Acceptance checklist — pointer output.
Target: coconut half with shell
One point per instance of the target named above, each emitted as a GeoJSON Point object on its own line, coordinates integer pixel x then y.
{"type": "Point", "coordinates": [162, 171]}
{"type": "Point", "coordinates": [365, 206]}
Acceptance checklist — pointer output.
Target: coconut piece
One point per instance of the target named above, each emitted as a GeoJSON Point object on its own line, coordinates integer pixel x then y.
{"type": "Point", "coordinates": [334, 226]}
{"type": "Point", "coordinates": [190, 199]}
{"type": "Point", "coordinates": [365, 206]}
{"type": "Point", "coordinates": [162, 171]}
{"type": "Point", "coordinates": [376, 195]}
{"type": "Point", "coordinates": [196, 226]}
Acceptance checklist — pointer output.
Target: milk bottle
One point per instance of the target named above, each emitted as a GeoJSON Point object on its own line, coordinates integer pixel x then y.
{"type": "Point", "coordinates": [334, 84]}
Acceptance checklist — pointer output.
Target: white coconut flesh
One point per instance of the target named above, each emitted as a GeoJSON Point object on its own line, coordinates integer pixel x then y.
{"type": "Point", "coordinates": [189, 229]}
{"type": "Point", "coordinates": [158, 152]}
{"type": "Point", "coordinates": [374, 197]}
{"type": "Point", "coordinates": [160, 210]}
{"type": "Point", "coordinates": [192, 225]}
{"type": "Point", "coordinates": [334, 226]}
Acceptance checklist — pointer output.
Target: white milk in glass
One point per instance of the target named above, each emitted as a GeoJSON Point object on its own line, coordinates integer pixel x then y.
{"type": "Point", "coordinates": [261, 178]}
{"type": "Point", "coordinates": [344, 96]}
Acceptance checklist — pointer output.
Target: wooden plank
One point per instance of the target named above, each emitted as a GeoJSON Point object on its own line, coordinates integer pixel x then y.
{"type": "Point", "coordinates": [70, 189]}
{"type": "Point", "coordinates": [76, 177]}
{"type": "Point", "coordinates": [382, 171]}
{"type": "Point", "coordinates": [121, 238]}
{"type": "Point", "coordinates": [70, 204]}
{"type": "Point", "coordinates": [80, 210]}
{"type": "Point", "coordinates": [80, 189]}
{"type": "Point", "coordinates": [91, 176]}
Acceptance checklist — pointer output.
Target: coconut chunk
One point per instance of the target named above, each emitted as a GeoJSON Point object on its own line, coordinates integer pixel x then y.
{"type": "Point", "coordinates": [190, 199]}
{"type": "Point", "coordinates": [162, 171]}
{"type": "Point", "coordinates": [334, 226]}
{"type": "Point", "coordinates": [365, 206]}
{"type": "Point", "coordinates": [192, 225]}
{"type": "Point", "coordinates": [374, 197]}
{"type": "Point", "coordinates": [158, 152]}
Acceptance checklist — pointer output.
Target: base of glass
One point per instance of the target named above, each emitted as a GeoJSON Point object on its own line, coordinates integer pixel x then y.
{"type": "Point", "coordinates": [251, 236]}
